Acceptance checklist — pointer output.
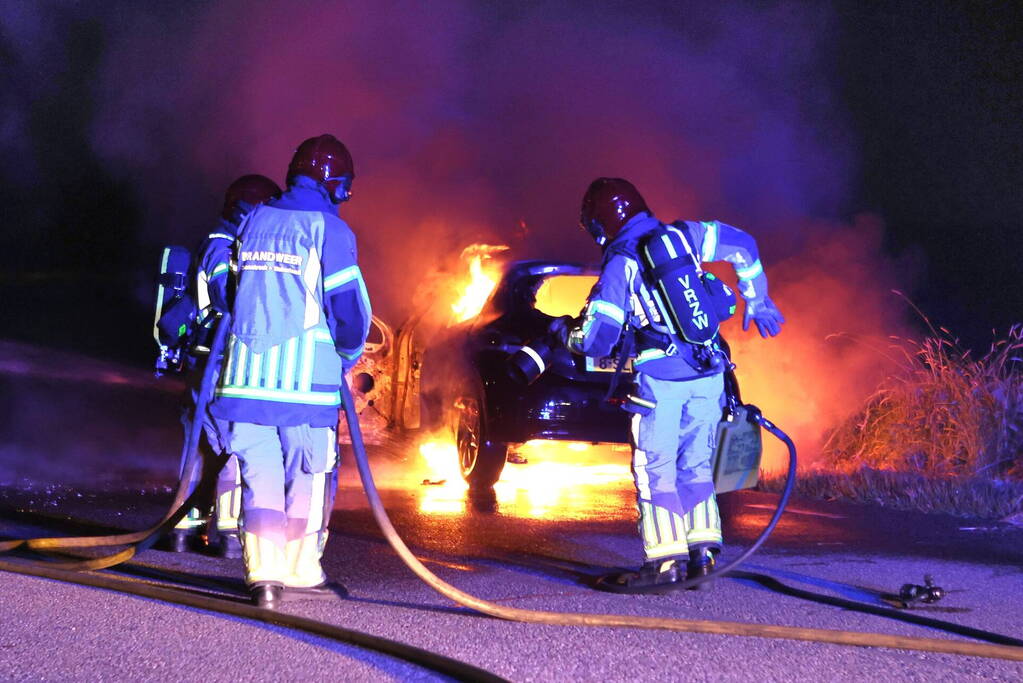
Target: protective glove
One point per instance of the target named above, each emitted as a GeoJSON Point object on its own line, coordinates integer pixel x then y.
{"type": "Point", "coordinates": [765, 314]}
{"type": "Point", "coordinates": [560, 327]}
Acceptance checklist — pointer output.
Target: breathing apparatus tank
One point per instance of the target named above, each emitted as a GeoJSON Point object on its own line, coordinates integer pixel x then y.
{"type": "Point", "coordinates": [176, 310]}
{"type": "Point", "coordinates": [691, 303]}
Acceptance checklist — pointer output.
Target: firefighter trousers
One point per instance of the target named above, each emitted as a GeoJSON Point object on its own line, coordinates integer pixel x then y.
{"type": "Point", "coordinates": [672, 452]}
{"type": "Point", "coordinates": [288, 477]}
{"type": "Point", "coordinates": [226, 503]}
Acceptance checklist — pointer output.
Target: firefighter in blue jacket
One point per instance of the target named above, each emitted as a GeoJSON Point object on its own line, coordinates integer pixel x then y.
{"type": "Point", "coordinates": [300, 316]}
{"type": "Point", "coordinates": [680, 389]}
{"type": "Point", "coordinates": [243, 195]}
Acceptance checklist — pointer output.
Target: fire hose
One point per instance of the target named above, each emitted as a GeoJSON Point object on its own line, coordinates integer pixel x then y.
{"type": "Point", "coordinates": [1012, 650]}
{"type": "Point", "coordinates": [74, 571]}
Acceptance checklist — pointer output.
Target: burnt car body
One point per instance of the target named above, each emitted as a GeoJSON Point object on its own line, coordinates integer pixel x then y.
{"type": "Point", "coordinates": [385, 384]}
{"type": "Point", "coordinates": [567, 402]}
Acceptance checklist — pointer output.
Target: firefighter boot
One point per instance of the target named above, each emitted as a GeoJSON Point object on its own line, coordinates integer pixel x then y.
{"type": "Point", "coordinates": [266, 594]}
{"type": "Point", "coordinates": [187, 534]}
{"type": "Point", "coordinates": [701, 563]}
{"type": "Point", "coordinates": [228, 545]}
{"type": "Point", "coordinates": [177, 540]}
{"type": "Point", "coordinates": [652, 575]}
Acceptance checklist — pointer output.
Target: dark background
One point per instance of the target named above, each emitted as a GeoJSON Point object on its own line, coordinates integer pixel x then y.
{"type": "Point", "coordinates": [121, 125]}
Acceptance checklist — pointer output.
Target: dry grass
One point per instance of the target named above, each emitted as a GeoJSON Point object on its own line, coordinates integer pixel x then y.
{"type": "Point", "coordinates": [942, 413]}
{"type": "Point", "coordinates": [942, 433]}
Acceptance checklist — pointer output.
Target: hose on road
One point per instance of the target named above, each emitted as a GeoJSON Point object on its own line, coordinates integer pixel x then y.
{"type": "Point", "coordinates": [183, 500]}
{"type": "Point", "coordinates": [448, 666]}
{"type": "Point", "coordinates": [1009, 652]}
{"type": "Point", "coordinates": [74, 570]}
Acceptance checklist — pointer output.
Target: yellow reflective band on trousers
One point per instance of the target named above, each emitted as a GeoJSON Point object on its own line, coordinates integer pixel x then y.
{"type": "Point", "coordinates": [229, 505]}
{"type": "Point", "coordinates": [703, 523]}
{"type": "Point", "coordinates": [264, 559]}
{"type": "Point", "coordinates": [663, 532]}
{"type": "Point", "coordinates": [193, 520]}
{"type": "Point", "coordinates": [303, 553]}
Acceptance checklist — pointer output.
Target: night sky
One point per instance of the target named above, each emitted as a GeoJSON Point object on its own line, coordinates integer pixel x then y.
{"type": "Point", "coordinates": [121, 124]}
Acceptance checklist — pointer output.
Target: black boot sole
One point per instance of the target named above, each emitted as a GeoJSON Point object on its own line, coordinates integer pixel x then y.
{"type": "Point", "coordinates": [328, 591]}
{"type": "Point", "coordinates": [177, 542]}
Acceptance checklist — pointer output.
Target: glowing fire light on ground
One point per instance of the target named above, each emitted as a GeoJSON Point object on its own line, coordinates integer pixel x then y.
{"type": "Point", "coordinates": [483, 275]}
{"type": "Point", "coordinates": [555, 479]}
{"type": "Point", "coordinates": [441, 458]}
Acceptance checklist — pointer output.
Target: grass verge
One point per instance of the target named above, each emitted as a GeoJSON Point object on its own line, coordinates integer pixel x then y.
{"type": "Point", "coordinates": [940, 413]}
{"type": "Point", "coordinates": [991, 499]}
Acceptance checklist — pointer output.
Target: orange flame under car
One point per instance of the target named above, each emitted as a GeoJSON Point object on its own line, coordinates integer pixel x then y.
{"type": "Point", "coordinates": [544, 479]}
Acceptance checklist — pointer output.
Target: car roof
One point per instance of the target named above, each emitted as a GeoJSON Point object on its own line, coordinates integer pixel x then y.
{"type": "Point", "coordinates": [540, 268]}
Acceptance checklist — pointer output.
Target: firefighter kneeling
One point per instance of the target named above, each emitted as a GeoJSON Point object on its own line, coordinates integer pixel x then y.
{"type": "Point", "coordinates": [652, 285]}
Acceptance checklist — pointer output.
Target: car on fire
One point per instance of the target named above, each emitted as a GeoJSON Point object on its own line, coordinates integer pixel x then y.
{"type": "Point", "coordinates": [490, 409]}
{"type": "Point", "coordinates": [463, 383]}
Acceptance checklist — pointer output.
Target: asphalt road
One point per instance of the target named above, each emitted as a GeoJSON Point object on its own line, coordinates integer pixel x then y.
{"type": "Point", "coordinates": [105, 455]}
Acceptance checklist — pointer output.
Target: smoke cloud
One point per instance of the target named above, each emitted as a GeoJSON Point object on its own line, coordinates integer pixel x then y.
{"type": "Point", "coordinates": [465, 121]}
{"type": "Point", "coordinates": [470, 122]}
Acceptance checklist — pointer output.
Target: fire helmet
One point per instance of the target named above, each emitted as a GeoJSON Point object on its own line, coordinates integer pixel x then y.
{"type": "Point", "coordinates": [608, 204]}
{"type": "Point", "coordinates": [251, 189]}
{"type": "Point", "coordinates": [326, 160]}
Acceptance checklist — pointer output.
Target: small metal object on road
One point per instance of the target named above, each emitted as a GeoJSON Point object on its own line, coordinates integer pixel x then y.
{"type": "Point", "coordinates": [911, 592]}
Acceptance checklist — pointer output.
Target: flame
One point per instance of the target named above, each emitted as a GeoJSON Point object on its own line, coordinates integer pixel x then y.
{"type": "Point", "coordinates": [559, 475]}
{"type": "Point", "coordinates": [482, 280]}
{"type": "Point", "coordinates": [554, 480]}
{"type": "Point", "coordinates": [441, 459]}
{"type": "Point", "coordinates": [444, 489]}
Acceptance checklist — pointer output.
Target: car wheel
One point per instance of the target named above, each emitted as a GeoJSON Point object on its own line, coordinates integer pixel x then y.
{"type": "Point", "coordinates": [480, 460]}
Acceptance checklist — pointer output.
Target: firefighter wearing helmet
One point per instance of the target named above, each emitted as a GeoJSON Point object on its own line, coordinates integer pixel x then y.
{"type": "Point", "coordinates": [300, 314]}
{"type": "Point", "coordinates": [210, 269]}
{"type": "Point", "coordinates": [678, 396]}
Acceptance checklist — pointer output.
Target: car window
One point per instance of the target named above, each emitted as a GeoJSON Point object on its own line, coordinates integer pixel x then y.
{"type": "Point", "coordinates": [563, 294]}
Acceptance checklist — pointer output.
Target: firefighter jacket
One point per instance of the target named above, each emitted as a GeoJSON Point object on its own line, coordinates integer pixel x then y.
{"type": "Point", "coordinates": [213, 264]}
{"type": "Point", "coordinates": [620, 296]}
{"type": "Point", "coordinates": [300, 312]}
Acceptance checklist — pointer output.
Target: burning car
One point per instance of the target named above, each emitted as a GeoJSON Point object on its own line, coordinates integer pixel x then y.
{"type": "Point", "coordinates": [488, 409]}
{"type": "Point", "coordinates": [461, 396]}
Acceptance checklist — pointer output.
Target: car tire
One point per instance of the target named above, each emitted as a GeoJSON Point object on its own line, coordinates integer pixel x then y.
{"type": "Point", "coordinates": [480, 460]}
